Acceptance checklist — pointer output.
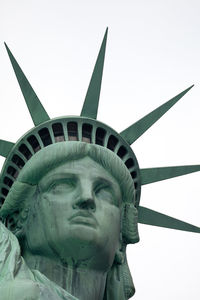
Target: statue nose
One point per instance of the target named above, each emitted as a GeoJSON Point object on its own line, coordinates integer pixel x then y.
{"type": "Point", "coordinates": [86, 204]}
{"type": "Point", "coordinates": [85, 200]}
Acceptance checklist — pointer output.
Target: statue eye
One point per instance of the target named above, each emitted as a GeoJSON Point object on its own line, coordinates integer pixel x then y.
{"type": "Point", "coordinates": [62, 186]}
{"type": "Point", "coordinates": [104, 192]}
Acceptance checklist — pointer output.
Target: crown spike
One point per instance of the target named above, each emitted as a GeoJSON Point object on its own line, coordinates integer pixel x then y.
{"type": "Point", "coordinates": [151, 175]}
{"type": "Point", "coordinates": [36, 109]}
{"type": "Point", "coordinates": [133, 132]}
{"type": "Point", "coordinates": [90, 106]}
{"type": "Point", "coordinates": [5, 147]}
{"type": "Point", "coordinates": [151, 217]}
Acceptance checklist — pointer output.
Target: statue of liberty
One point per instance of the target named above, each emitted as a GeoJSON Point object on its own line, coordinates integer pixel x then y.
{"type": "Point", "coordinates": [70, 201]}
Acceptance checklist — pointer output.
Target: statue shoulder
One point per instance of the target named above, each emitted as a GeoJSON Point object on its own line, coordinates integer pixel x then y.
{"type": "Point", "coordinates": [10, 255]}
{"type": "Point", "coordinates": [26, 289]}
{"type": "Point", "coordinates": [17, 281]}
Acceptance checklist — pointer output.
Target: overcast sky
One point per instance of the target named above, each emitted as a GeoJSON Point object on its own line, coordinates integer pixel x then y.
{"type": "Point", "coordinates": [153, 53]}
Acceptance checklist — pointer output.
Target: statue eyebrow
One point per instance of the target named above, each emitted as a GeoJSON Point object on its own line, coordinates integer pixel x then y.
{"type": "Point", "coordinates": [105, 181]}
{"type": "Point", "coordinates": [56, 177]}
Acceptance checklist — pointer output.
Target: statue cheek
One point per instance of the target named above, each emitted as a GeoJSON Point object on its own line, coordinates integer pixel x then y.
{"type": "Point", "coordinates": [115, 215]}
{"type": "Point", "coordinates": [111, 220]}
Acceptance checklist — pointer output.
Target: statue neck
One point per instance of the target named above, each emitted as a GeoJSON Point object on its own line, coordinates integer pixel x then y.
{"type": "Point", "coordinates": [83, 283]}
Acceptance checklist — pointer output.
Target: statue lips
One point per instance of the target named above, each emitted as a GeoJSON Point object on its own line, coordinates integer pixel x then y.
{"type": "Point", "coordinates": [85, 218]}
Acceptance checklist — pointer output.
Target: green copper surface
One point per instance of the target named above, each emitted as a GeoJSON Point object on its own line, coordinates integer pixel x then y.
{"type": "Point", "coordinates": [42, 135]}
{"type": "Point", "coordinates": [133, 132]}
{"type": "Point", "coordinates": [151, 217]}
{"type": "Point", "coordinates": [75, 204]}
{"type": "Point", "coordinates": [70, 198]}
{"type": "Point", "coordinates": [34, 105]}
{"type": "Point", "coordinates": [151, 175]}
{"type": "Point", "coordinates": [91, 103]}
{"type": "Point", "coordinates": [5, 147]}
{"type": "Point", "coordinates": [17, 281]}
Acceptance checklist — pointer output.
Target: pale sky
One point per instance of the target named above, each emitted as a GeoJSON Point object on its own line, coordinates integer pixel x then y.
{"type": "Point", "coordinates": [153, 53]}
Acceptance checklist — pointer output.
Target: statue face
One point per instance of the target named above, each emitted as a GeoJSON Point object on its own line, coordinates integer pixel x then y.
{"type": "Point", "coordinates": [79, 212]}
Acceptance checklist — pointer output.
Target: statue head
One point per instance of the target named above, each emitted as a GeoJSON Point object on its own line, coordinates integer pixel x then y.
{"type": "Point", "coordinates": [75, 201]}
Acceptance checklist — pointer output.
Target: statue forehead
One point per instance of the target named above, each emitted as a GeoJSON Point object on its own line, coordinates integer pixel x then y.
{"type": "Point", "coordinates": [84, 167]}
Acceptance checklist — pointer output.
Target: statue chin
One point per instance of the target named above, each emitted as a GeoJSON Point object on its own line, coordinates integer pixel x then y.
{"type": "Point", "coordinates": [82, 247]}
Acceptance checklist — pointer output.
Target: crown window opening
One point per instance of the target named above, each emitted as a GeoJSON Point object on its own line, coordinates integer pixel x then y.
{"type": "Point", "coordinates": [100, 136]}
{"type": "Point", "coordinates": [18, 161]}
{"type": "Point", "coordinates": [136, 185]}
{"type": "Point", "coordinates": [1, 201]}
{"type": "Point", "coordinates": [72, 129]}
{"type": "Point", "coordinates": [122, 151]}
{"type": "Point", "coordinates": [25, 151]}
{"type": "Point", "coordinates": [8, 181]}
{"type": "Point", "coordinates": [4, 191]}
{"type": "Point", "coordinates": [58, 132]}
{"type": "Point", "coordinates": [34, 143]}
{"type": "Point", "coordinates": [129, 163]}
{"type": "Point", "coordinates": [87, 133]}
{"type": "Point", "coordinates": [12, 171]}
{"type": "Point", "coordinates": [112, 142]}
{"type": "Point", "coordinates": [45, 136]}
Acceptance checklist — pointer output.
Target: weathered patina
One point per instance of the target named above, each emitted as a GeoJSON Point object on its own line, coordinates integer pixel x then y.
{"type": "Point", "coordinates": [70, 201]}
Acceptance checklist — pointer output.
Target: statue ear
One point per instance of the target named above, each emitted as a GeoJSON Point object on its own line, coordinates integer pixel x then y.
{"type": "Point", "coordinates": [130, 224]}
